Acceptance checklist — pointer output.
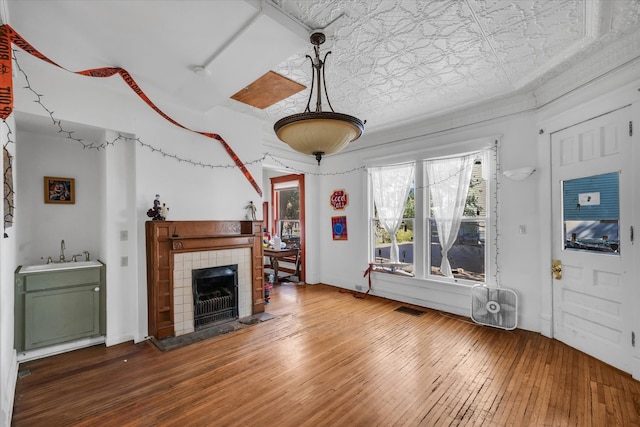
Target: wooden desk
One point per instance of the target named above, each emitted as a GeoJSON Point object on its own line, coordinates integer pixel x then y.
{"type": "Point", "coordinates": [274, 257]}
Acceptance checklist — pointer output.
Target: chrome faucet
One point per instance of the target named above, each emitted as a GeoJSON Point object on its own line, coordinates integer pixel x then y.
{"type": "Point", "coordinates": [62, 251]}
{"type": "Point", "coordinates": [86, 255]}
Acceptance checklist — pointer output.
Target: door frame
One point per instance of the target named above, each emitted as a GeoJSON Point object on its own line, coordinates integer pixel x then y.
{"type": "Point", "coordinates": [590, 276]}
{"type": "Point", "coordinates": [274, 216]}
{"type": "Point", "coordinates": [552, 119]}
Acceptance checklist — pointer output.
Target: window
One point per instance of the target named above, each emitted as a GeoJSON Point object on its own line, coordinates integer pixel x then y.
{"type": "Point", "coordinates": [591, 211]}
{"type": "Point", "coordinates": [459, 229]}
{"type": "Point", "coordinates": [287, 210]}
{"type": "Point", "coordinates": [404, 235]}
{"type": "Point", "coordinates": [444, 228]}
{"type": "Point", "coordinates": [392, 190]}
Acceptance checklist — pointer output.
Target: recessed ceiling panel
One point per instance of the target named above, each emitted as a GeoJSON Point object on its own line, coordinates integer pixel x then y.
{"type": "Point", "coordinates": [267, 90]}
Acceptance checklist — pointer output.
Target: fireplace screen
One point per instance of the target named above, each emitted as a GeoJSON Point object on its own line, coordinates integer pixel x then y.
{"type": "Point", "coordinates": [215, 295]}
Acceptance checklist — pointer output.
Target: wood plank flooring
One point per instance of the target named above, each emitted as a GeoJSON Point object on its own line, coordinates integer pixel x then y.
{"type": "Point", "coordinates": [329, 359]}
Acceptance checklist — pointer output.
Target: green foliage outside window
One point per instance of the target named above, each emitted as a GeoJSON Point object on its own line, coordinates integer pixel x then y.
{"type": "Point", "coordinates": [290, 204]}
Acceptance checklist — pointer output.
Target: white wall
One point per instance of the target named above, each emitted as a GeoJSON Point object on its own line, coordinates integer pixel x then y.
{"type": "Point", "coordinates": [115, 188]}
{"type": "Point", "coordinates": [133, 174]}
{"type": "Point", "coordinates": [125, 315]}
{"type": "Point", "coordinates": [44, 225]}
{"type": "Point", "coordinates": [8, 360]}
{"type": "Point", "coordinates": [523, 259]}
{"type": "Point", "coordinates": [344, 262]}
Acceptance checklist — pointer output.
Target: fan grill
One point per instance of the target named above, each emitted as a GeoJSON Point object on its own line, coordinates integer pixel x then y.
{"type": "Point", "coordinates": [493, 306]}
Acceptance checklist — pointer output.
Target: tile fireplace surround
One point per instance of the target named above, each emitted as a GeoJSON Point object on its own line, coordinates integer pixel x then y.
{"type": "Point", "coordinates": [175, 248]}
{"type": "Point", "coordinates": [184, 263]}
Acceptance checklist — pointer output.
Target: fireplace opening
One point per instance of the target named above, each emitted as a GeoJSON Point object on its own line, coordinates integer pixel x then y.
{"type": "Point", "coordinates": [215, 295]}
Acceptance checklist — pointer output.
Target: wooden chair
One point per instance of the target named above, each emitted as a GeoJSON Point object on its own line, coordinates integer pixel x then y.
{"type": "Point", "coordinates": [293, 261]}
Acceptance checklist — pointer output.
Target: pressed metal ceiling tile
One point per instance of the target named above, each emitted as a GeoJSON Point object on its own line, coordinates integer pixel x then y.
{"type": "Point", "coordinates": [392, 60]}
{"type": "Point", "coordinates": [625, 16]}
{"type": "Point", "coordinates": [527, 34]}
{"type": "Point", "coordinates": [401, 58]}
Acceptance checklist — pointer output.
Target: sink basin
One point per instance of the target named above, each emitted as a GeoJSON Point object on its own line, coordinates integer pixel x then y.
{"type": "Point", "coordinates": [60, 266]}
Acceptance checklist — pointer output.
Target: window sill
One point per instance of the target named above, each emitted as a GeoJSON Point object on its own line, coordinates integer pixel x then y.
{"type": "Point", "coordinates": [391, 268]}
{"type": "Point", "coordinates": [385, 273]}
{"type": "Point", "coordinates": [406, 270]}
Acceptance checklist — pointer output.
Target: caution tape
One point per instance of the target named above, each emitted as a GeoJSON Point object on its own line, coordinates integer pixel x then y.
{"type": "Point", "coordinates": [8, 36]}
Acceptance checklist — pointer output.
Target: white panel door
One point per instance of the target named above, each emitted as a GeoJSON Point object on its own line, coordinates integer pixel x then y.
{"type": "Point", "coordinates": [591, 191]}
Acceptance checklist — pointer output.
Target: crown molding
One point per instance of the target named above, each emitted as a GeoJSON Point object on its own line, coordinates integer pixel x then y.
{"type": "Point", "coordinates": [603, 62]}
{"type": "Point", "coordinates": [622, 54]}
{"type": "Point", "coordinates": [472, 115]}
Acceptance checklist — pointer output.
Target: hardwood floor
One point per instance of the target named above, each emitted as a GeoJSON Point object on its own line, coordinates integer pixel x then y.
{"type": "Point", "coordinates": [331, 359]}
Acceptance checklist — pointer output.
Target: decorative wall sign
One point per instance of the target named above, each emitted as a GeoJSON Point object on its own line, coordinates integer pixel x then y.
{"type": "Point", "coordinates": [339, 199]}
{"type": "Point", "coordinates": [339, 227]}
{"type": "Point", "coordinates": [59, 190]}
{"type": "Point", "coordinates": [589, 199]}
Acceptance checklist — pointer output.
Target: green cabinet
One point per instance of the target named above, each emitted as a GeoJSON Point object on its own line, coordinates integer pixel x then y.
{"type": "Point", "coordinates": [58, 306]}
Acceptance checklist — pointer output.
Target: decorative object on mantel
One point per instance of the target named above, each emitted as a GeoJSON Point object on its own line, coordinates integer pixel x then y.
{"type": "Point", "coordinates": [159, 211]}
{"type": "Point", "coordinates": [251, 211]}
{"type": "Point", "coordinates": [320, 132]}
{"type": "Point", "coordinates": [519, 174]}
{"type": "Point", "coordinates": [8, 36]}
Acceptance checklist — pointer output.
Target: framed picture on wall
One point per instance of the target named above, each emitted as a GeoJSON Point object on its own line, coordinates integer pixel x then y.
{"type": "Point", "coordinates": [59, 190]}
{"type": "Point", "coordinates": [339, 227]}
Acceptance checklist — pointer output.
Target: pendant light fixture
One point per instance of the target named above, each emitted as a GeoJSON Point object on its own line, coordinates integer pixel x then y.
{"type": "Point", "coordinates": [318, 132]}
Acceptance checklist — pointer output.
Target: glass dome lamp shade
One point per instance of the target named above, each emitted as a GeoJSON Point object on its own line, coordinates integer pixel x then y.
{"type": "Point", "coordinates": [321, 132]}
{"type": "Point", "coordinates": [318, 133]}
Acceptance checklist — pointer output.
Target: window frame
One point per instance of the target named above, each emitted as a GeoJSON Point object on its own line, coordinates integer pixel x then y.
{"type": "Point", "coordinates": [284, 182]}
{"type": "Point", "coordinates": [421, 254]}
{"type": "Point", "coordinates": [427, 218]}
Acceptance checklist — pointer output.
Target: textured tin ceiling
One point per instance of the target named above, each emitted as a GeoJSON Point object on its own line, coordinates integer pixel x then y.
{"type": "Point", "coordinates": [391, 60]}
{"type": "Point", "coordinates": [396, 60]}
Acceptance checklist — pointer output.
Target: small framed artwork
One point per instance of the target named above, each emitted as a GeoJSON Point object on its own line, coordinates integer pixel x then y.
{"type": "Point", "coordinates": [59, 190]}
{"type": "Point", "coordinates": [339, 227]}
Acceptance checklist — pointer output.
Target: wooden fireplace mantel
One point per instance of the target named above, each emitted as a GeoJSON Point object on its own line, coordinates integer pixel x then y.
{"type": "Point", "coordinates": [165, 238]}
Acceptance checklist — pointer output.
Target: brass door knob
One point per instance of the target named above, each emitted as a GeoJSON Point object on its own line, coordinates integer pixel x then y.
{"type": "Point", "coordinates": [556, 269]}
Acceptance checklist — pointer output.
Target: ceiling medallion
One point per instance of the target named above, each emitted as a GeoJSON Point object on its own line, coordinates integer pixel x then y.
{"type": "Point", "coordinates": [318, 133]}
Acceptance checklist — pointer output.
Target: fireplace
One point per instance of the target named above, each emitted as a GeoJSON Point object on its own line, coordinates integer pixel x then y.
{"type": "Point", "coordinates": [185, 264]}
{"type": "Point", "coordinates": [215, 295]}
{"type": "Point", "coordinates": [176, 248]}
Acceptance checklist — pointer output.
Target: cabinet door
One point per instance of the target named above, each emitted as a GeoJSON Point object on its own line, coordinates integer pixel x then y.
{"type": "Point", "coordinates": [61, 315]}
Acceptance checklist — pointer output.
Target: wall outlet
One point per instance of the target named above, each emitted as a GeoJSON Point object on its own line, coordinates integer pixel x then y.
{"type": "Point", "coordinates": [124, 235]}
{"type": "Point", "coordinates": [124, 261]}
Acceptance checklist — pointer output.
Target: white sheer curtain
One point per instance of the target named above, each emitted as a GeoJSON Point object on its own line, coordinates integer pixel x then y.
{"type": "Point", "coordinates": [391, 185]}
{"type": "Point", "coordinates": [449, 184]}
